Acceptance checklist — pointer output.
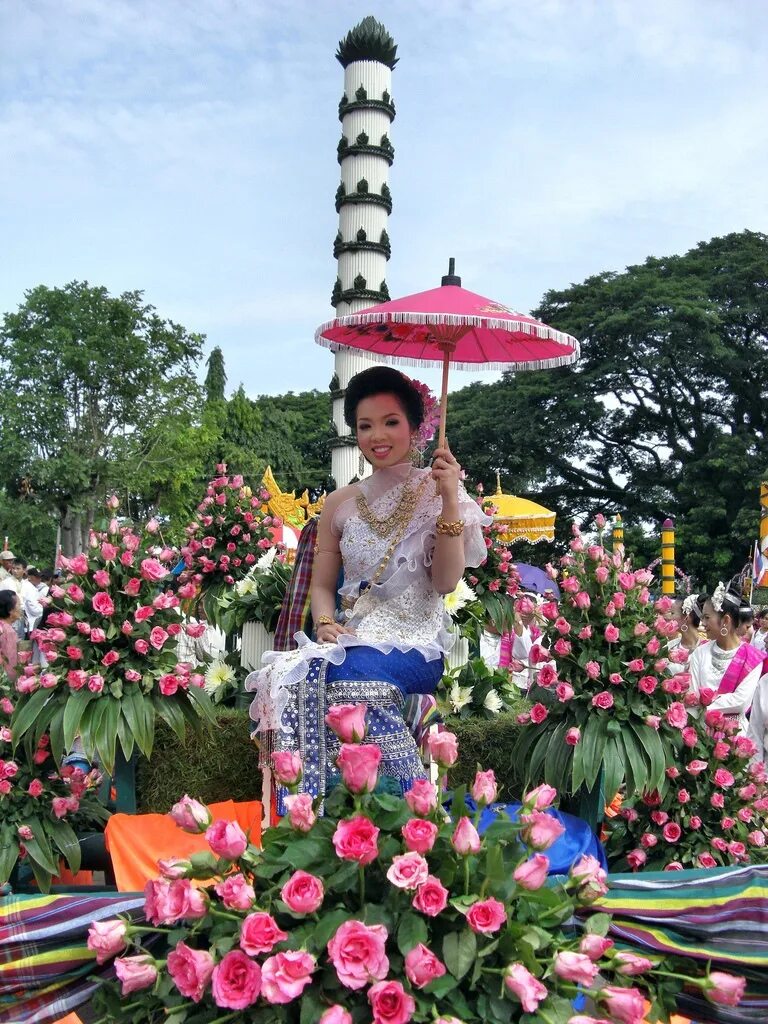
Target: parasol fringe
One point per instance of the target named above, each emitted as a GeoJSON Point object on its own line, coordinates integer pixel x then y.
{"type": "Point", "coordinates": [449, 320]}
{"type": "Point", "coordinates": [532, 364]}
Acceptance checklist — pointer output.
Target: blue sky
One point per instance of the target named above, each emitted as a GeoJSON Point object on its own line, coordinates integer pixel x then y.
{"type": "Point", "coordinates": [188, 149]}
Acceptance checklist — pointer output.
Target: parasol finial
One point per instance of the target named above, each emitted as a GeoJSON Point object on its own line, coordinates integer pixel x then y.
{"type": "Point", "coordinates": [498, 482]}
{"type": "Point", "coordinates": [451, 277]}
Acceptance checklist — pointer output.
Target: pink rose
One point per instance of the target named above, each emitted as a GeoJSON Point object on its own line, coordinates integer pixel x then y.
{"type": "Point", "coordinates": [98, 636]}
{"type": "Point", "coordinates": [562, 648]}
{"type": "Point", "coordinates": [408, 870]}
{"type": "Point", "coordinates": [285, 976]}
{"type": "Point", "coordinates": [540, 798]}
{"type": "Point", "coordinates": [546, 675]}
{"type": "Point", "coordinates": [107, 939]}
{"type": "Point", "coordinates": [422, 966]}
{"type": "Point", "coordinates": [540, 830]}
{"type": "Point", "coordinates": [96, 683]}
{"type": "Point", "coordinates": [75, 593]}
{"type": "Point", "coordinates": [594, 946]}
{"type": "Point", "coordinates": [486, 916]}
{"type": "Point", "coordinates": [336, 1015]}
{"type": "Point", "coordinates": [723, 778]}
{"type": "Point", "coordinates": [626, 1005]}
{"type": "Point", "coordinates": [592, 668]}
{"type": "Point", "coordinates": [300, 813]}
{"type": "Point", "coordinates": [191, 970]}
{"type": "Point", "coordinates": [235, 892]}
{"type": "Point", "coordinates": [636, 665]}
{"type": "Point", "coordinates": [564, 692]}
{"type": "Point", "coordinates": [671, 832]}
{"type": "Point", "coordinates": [585, 633]}
{"type": "Point", "coordinates": [302, 893]}
{"type": "Point", "coordinates": [532, 874]}
{"type": "Point", "coordinates": [287, 767]}
{"type": "Point", "coordinates": [356, 839]}
{"type": "Point", "coordinates": [725, 989]}
{"type": "Point", "coordinates": [538, 714]}
{"type": "Point", "coordinates": [103, 604]}
{"type": "Point", "coordinates": [144, 612]}
{"type": "Point", "coordinates": [676, 715]}
{"type": "Point", "coordinates": [359, 766]}
{"type": "Point", "coordinates": [190, 815]}
{"type": "Point", "coordinates": [157, 637]}
{"type": "Point", "coordinates": [576, 967]}
{"type": "Point", "coordinates": [601, 574]}
{"type": "Point", "coordinates": [630, 964]}
{"type": "Point", "coordinates": [603, 700]}
{"type": "Point", "coordinates": [135, 972]}
{"type": "Point", "coordinates": [690, 736]}
{"type": "Point", "coordinates": [636, 858]}
{"type": "Point", "coordinates": [259, 933]}
{"type": "Point", "coordinates": [484, 789]}
{"type": "Point", "coordinates": [141, 646]}
{"type": "Point", "coordinates": [443, 748]}
{"type": "Point", "coordinates": [431, 897]}
{"type": "Point", "coordinates": [357, 951]}
{"type": "Point", "coordinates": [166, 902]}
{"type": "Point", "coordinates": [78, 565]}
{"type": "Point", "coordinates": [419, 835]}
{"type": "Point", "coordinates": [572, 736]}
{"type": "Point", "coordinates": [706, 860]}
{"type": "Point", "coordinates": [226, 839]}
{"type": "Point", "coordinates": [390, 1003]}
{"type": "Point", "coordinates": [152, 570]}
{"type": "Point", "coordinates": [465, 838]}
{"type": "Point", "coordinates": [582, 600]}
{"type": "Point", "coordinates": [647, 684]}
{"type": "Point", "coordinates": [347, 721]}
{"type": "Point", "coordinates": [590, 877]}
{"type": "Point", "coordinates": [422, 797]}
{"type": "Point", "coordinates": [236, 981]}
{"type": "Point", "coordinates": [132, 676]}
{"type": "Point", "coordinates": [611, 634]}
{"type": "Point", "coordinates": [529, 990]}
{"type": "Point", "coordinates": [35, 788]}
{"type": "Point", "coordinates": [110, 658]}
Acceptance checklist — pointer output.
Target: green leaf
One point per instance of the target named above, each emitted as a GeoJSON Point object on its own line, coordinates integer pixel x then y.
{"type": "Point", "coordinates": [411, 931]}
{"type": "Point", "coordinates": [614, 768]}
{"type": "Point", "coordinates": [598, 924]}
{"type": "Point", "coordinates": [9, 852]}
{"type": "Point", "coordinates": [27, 711]}
{"type": "Point", "coordinates": [136, 715]}
{"type": "Point", "coordinates": [459, 952]}
{"type": "Point", "coordinates": [125, 735]}
{"type": "Point", "coordinates": [106, 733]}
{"type": "Point", "coordinates": [202, 703]}
{"type": "Point", "coordinates": [170, 711]}
{"type": "Point", "coordinates": [654, 749]}
{"type": "Point", "coordinates": [593, 739]}
{"type": "Point", "coordinates": [77, 702]}
{"type": "Point", "coordinates": [58, 748]}
{"type": "Point", "coordinates": [325, 929]}
{"type": "Point", "coordinates": [65, 840]}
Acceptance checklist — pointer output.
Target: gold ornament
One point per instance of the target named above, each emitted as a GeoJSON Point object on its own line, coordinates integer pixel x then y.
{"type": "Point", "coordinates": [402, 513]}
{"type": "Point", "coordinates": [446, 529]}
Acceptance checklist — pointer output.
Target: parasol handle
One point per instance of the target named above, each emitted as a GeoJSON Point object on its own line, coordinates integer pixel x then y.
{"type": "Point", "coordinates": [444, 396]}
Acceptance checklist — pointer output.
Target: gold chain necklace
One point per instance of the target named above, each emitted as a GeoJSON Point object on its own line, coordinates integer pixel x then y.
{"type": "Point", "coordinates": [401, 513]}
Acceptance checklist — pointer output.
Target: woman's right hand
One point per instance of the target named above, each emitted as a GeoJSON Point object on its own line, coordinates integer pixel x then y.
{"type": "Point", "coordinates": [329, 632]}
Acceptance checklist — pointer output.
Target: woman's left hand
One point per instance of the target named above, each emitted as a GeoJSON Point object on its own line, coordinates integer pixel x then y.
{"type": "Point", "coordinates": [447, 472]}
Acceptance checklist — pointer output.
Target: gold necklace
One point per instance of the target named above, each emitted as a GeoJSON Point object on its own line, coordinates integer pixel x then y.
{"type": "Point", "coordinates": [401, 513]}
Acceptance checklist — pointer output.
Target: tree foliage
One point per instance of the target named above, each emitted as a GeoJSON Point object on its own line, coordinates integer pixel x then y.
{"type": "Point", "coordinates": [664, 414]}
{"type": "Point", "coordinates": [88, 384]}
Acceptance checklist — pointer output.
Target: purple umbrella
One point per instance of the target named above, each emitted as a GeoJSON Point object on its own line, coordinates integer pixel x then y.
{"type": "Point", "coordinates": [536, 580]}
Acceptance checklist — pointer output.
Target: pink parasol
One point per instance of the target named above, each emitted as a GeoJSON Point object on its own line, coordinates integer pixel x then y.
{"type": "Point", "coordinates": [450, 326]}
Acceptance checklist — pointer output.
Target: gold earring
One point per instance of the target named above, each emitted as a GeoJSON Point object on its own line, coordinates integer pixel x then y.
{"type": "Point", "coordinates": [361, 465]}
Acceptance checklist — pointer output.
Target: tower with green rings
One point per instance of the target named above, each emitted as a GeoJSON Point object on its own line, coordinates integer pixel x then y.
{"type": "Point", "coordinates": [368, 54]}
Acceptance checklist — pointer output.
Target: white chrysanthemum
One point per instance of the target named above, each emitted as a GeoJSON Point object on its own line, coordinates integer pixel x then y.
{"type": "Point", "coordinates": [247, 585]}
{"type": "Point", "coordinates": [267, 558]}
{"type": "Point", "coordinates": [493, 702]}
{"type": "Point", "coordinates": [460, 597]}
{"type": "Point", "coordinates": [217, 675]}
{"type": "Point", "coordinates": [459, 696]}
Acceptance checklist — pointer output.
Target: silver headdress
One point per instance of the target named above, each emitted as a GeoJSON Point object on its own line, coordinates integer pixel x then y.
{"type": "Point", "coordinates": [691, 604]}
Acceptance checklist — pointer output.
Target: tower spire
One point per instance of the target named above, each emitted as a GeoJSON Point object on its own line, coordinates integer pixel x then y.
{"type": "Point", "coordinates": [368, 53]}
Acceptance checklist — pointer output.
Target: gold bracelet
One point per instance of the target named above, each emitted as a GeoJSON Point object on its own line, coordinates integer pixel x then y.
{"type": "Point", "coordinates": [325, 620]}
{"type": "Point", "coordinates": [454, 529]}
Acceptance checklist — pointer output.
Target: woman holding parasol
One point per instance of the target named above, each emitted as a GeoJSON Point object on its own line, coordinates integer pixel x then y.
{"type": "Point", "coordinates": [401, 545]}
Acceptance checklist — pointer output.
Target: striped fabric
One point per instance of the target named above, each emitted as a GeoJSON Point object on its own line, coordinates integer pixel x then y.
{"type": "Point", "coordinates": [717, 915]}
{"type": "Point", "coordinates": [46, 969]}
{"type": "Point", "coordinates": [295, 613]}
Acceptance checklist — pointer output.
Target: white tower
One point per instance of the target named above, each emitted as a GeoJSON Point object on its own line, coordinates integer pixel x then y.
{"type": "Point", "coordinates": [363, 202]}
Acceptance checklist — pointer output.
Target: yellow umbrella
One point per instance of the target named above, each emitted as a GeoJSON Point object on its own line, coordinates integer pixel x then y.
{"type": "Point", "coordinates": [521, 518]}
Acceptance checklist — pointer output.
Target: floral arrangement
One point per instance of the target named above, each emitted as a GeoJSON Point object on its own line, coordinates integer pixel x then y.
{"type": "Point", "coordinates": [609, 709]}
{"type": "Point", "coordinates": [229, 532]}
{"type": "Point", "coordinates": [497, 579]}
{"type": "Point", "coordinates": [714, 810]}
{"type": "Point", "coordinates": [109, 646]}
{"type": "Point", "coordinates": [385, 910]}
{"type": "Point", "coordinates": [476, 691]}
{"type": "Point", "coordinates": [258, 596]}
{"type": "Point", "coordinates": [40, 805]}
{"type": "Point", "coordinates": [431, 420]}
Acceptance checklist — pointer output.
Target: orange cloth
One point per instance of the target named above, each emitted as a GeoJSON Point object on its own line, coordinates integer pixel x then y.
{"type": "Point", "coordinates": [65, 877]}
{"type": "Point", "coordinates": [674, 1019]}
{"type": "Point", "coordinates": [136, 841]}
{"type": "Point", "coordinates": [71, 1018]}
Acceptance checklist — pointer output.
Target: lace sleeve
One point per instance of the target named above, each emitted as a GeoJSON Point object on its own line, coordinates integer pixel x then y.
{"type": "Point", "coordinates": [475, 519]}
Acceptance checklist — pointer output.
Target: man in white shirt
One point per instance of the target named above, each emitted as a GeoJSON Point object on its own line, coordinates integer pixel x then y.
{"type": "Point", "coordinates": [760, 634]}
{"type": "Point", "coordinates": [27, 594]}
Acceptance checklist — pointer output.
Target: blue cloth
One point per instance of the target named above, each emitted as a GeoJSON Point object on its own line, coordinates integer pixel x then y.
{"type": "Point", "coordinates": [409, 671]}
{"type": "Point", "coordinates": [578, 838]}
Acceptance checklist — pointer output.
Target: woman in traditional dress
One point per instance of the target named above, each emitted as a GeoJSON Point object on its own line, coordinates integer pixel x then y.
{"type": "Point", "coordinates": [689, 637]}
{"type": "Point", "coordinates": [10, 614]}
{"type": "Point", "coordinates": [725, 665]}
{"type": "Point", "coordinates": [403, 538]}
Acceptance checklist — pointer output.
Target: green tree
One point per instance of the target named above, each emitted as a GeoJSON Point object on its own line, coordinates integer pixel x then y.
{"type": "Point", "coordinates": [297, 429]}
{"type": "Point", "coordinates": [90, 384]}
{"type": "Point", "coordinates": [216, 377]}
{"type": "Point", "coordinates": [664, 414]}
